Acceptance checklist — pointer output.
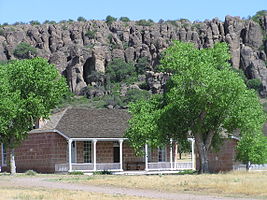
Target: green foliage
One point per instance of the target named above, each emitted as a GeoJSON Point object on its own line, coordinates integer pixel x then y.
{"type": "Point", "coordinates": [76, 173]}
{"type": "Point", "coordinates": [204, 97]}
{"type": "Point", "coordinates": [31, 173]}
{"type": "Point", "coordinates": [258, 15]}
{"type": "Point", "coordinates": [142, 65]}
{"type": "Point", "coordinates": [254, 83]}
{"type": "Point", "coordinates": [90, 34]}
{"type": "Point", "coordinates": [124, 19]}
{"type": "Point", "coordinates": [118, 70]}
{"type": "Point", "coordinates": [24, 50]}
{"type": "Point", "coordinates": [252, 148]}
{"type": "Point", "coordinates": [49, 22]}
{"type": "Point", "coordinates": [134, 95]}
{"type": "Point", "coordinates": [81, 19]}
{"type": "Point", "coordinates": [143, 22]}
{"type": "Point", "coordinates": [110, 19]}
{"type": "Point", "coordinates": [186, 172]}
{"type": "Point", "coordinates": [34, 22]}
{"type": "Point", "coordinates": [104, 172]}
{"type": "Point", "coordinates": [31, 89]}
{"type": "Point", "coordinates": [2, 32]}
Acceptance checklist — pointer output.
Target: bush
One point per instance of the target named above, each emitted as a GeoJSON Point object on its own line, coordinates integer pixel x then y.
{"type": "Point", "coordinates": [258, 15]}
{"type": "Point", "coordinates": [104, 172]}
{"type": "Point", "coordinates": [30, 173]}
{"type": "Point", "coordinates": [143, 22]}
{"type": "Point", "coordinates": [118, 70]}
{"type": "Point", "coordinates": [90, 34]}
{"type": "Point", "coordinates": [34, 22]}
{"type": "Point", "coordinates": [76, 173]}
{"type": "Point", "coordinates": [254, 84]}
{"type": "Point", "coordinates": [81, 19]}
{"type": "Point", "coordinates": [134, 95]}
{"type": "Point", "coordinates": [2, 32]}
{"type": "Point", "coordinates": [124, 19]}
{"type": "Point", "coordinates": [49, 22]}
{"type": "Point", "coordinates": [188, 171]}
{"type": "Point", "coordinates": [142, 65]}
{"type": "Point", "coordinates": [24, 51]}
{"type": "Point", "coordinates": [110, 19]}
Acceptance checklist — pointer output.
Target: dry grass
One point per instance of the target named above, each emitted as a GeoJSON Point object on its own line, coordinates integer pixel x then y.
{"type": "Point", "coordinates": [253, 184]}
{"type": "Point", "coordinates": [45, 194]}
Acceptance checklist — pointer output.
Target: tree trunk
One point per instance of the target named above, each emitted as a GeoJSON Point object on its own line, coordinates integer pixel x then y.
{"type": "Point", "coordinates": [12, 162]}
{"type": "Point", "coordinates": [203, 148]}
{"type": "Point", "coordinates": [247, 166]}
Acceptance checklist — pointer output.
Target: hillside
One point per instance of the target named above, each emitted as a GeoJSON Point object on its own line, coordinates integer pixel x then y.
{"type": "Point", "coordinates": [79, 49]}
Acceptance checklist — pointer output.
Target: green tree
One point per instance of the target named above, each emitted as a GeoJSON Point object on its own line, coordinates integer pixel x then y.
{"type": "Point", "coordinates": [124, 19]}
{"type": "Point", "coordinates": [24, 50]}
{"type": "Point", "coordinates": [34, 22]}
{"type": "Point", "coordinates": [258, 15]}
{"type": "Point", "coordinates": [81, 19]}
{"type": "Point", "coordinates": [252, 149]}
{"type": "Point", "coordinates": [110, 19]}
{"type": "Point", "coordinates": [32, 88]}
{"type": "Point", "coordinates": [142, 65]}
{"type": "Point", "coordinates": [118, 70]}
{"type": "Point", "coordinates": [204, 98]}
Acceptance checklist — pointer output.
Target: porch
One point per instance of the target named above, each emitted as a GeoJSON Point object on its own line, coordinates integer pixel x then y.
{"type": "Point", "coordinates": [115, 155]}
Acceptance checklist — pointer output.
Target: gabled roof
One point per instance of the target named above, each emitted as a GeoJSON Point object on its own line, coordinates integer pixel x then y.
{"type": "Point", "coordinates": [88, 123]}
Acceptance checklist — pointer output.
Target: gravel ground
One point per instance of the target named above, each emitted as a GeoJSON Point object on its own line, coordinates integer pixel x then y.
{"type": "Point", "coordinates": [43, 183]}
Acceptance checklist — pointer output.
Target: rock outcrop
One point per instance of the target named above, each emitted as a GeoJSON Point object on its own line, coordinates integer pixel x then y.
{"type": "Point", "coordinates": [79, 48]}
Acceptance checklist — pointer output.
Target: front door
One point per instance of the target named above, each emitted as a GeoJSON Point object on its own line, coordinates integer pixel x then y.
{"type": "Point", "coordinates": [116, 154]}
{"type": "Point", "coordinates": [73, 152]}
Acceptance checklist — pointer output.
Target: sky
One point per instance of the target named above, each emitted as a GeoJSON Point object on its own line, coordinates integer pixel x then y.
{"type": "Point", "coordinates": [12, 11]}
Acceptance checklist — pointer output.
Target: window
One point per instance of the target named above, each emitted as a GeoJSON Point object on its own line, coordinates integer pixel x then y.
{"type": "Point", "coordinates": [87, 151]}
{"type": "Point", "coordinates": [4, 155]}
{"type": "Point", "coordinates": [162, 154]}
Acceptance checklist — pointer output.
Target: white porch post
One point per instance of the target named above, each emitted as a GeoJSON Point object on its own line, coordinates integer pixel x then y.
{"type": "Point", "coordinates": [171, 154]}
{"type": "Point", "coordinates": [146, 157]}
{"type": "Point", "coordinates": [193, 153]}
{"type": "Point", "coordinates": [175, 155]}
{"type": "Point", "coordinates": [94, 146]}
{"type": "Point", "coordinates": [121, 141]}
{"type": "Point", "coordinates": [69, 144]}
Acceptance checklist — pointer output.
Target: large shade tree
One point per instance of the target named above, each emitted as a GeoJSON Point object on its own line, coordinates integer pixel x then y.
{"type": "Point", "coordinates": [29, 89]}
{"type": "Point", "coordinates": [204, 98]}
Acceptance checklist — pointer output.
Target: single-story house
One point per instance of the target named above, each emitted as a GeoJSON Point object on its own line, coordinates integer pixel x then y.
{"type": "Point", "coordinates": [83, 139]}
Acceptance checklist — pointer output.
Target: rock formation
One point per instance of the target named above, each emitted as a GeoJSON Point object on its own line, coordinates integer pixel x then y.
{"type": "Point", "coordinates": [79, 48]}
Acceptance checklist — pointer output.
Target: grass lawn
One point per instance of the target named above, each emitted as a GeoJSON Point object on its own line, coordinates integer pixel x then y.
{"type": "Point", "coordinates": [247, 184]}
{"type": "Point", "coordinates": [50, 194]}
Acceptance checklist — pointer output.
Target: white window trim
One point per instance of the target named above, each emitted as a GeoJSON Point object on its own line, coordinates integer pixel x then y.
{"type": "Point", "coordinates": [90, 149]}
{"type": "Point", "coordinates": [2, 155]}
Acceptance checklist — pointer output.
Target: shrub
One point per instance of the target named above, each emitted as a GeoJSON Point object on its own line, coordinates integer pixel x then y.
{"type": "Point", "coordinates": [124, 19]}
{"type": "Point", "coordinates": [90, 34]}
{"type": "Point", "coordinates": [143, 22]}
{"type": "Point", "coordinates": [76, 173]}
{"type": "Point", "coordinates": [258, 15]}
{"type": "Point", "coordinates": [110, 19]}
{"type": "Point", "coordinates": [30, 173]}
{"type": "Point", "coordinates": [81, 19]}
{"type": "Point", "coordinates": [188, 171]}
{"type": "Point", "coordinates": [34, 22]}
{"type": "Point", "coordinates": [49, 22]}
{"type": "Point", "coordinates": [142, 65]}
{"type": "Point", "coordinates": [24, 51]}
{"type": "Point", "coordinates": [134, 95]}
{"type": "Point", "coordinates": [118, 70]}
{"type": "Point", "coordinates": [5, 24]}
{"type": "Point", "coordinates": [2, 32]}
{"type": "Point", "coordinates": [104, 172]}
{"type": "Point", "coordinates": [254, 84]}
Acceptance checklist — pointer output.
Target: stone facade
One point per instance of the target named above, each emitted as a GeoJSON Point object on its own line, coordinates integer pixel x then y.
{"type": "Point", "coordinates": [224, 159]}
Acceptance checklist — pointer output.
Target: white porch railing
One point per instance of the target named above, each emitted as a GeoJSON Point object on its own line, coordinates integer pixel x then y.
{"type": "Point", "coordinates": [252, 167]}
{"type": "Point", "coordinates": [87, 167]}
{"type": "Point", "coordinates": [183, 165]}
{"type": "Point", "coordinates": [167, 166]}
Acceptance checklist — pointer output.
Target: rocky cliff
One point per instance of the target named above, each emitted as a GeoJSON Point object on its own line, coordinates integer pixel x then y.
{"type": "Point", "coordinates": [79, 48]}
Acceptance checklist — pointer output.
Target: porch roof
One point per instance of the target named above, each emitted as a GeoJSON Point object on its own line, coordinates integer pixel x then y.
{"type": "Point", "coordinates": [88, 123]}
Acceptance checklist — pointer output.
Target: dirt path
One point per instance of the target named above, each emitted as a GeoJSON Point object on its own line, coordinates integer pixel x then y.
{"type": "Point", "coordinates": [42, 182]}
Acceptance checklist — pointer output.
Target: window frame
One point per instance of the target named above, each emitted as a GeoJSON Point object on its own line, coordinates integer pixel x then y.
{"type": "Point", "coordinates": [87, 148]}
{"type": "Point", "coordinates": [3, 155]}
{"type": "Point", "coordinates": [163, 152]}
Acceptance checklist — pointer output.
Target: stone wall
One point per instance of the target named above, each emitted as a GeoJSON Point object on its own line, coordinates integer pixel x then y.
{"type": "Point", "coordinates": [223, 160]}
